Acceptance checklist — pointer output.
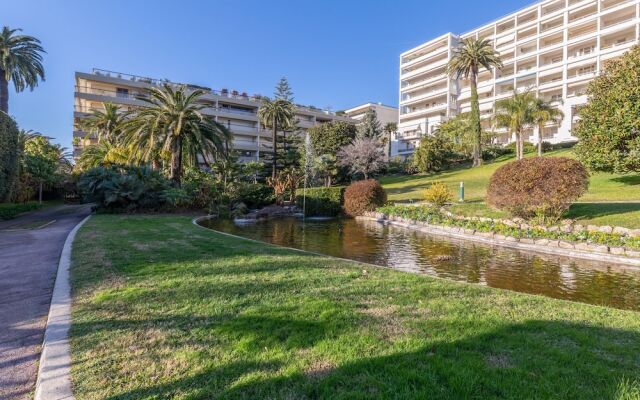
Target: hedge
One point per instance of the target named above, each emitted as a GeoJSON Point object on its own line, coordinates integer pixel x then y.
{"type": "Point", "coordinates": [8, 155]}
{"type": "Point", "coordinates": [11, 210]}
{"type": "Point", "coordinates": [321, 201]}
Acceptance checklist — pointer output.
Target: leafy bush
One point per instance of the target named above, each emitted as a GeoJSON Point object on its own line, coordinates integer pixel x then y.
{"type": "Point", "coordinates": [124, 188]}
{"type": "Point", "coordinates": [200, 187]}
{"type": "Point", "coordinates": [11, 210]}
{"type": "Point", "coordinates": [255, 195]}
{"type": "Point", "coordinates": [363, 196]}
{"type": "Point", "coordinates": [321, 201]}
{"type": "Point", "coordinates": [528, 147]}
{"type": "Point", "coordinates": [438, 194]}
{"type": "Point", "coordinates": [8, 155]}
{"type": "Point", "coordinates": [492, 152]}
{"type": "Point", "coordinates": [540, 187]}
{"type": "Point", "coordinates": [433, 154]}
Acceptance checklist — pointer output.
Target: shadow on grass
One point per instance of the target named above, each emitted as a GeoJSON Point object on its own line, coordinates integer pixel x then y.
{"type": "Point", "coordinates": [628, 179]}
{"type": "Point", "coordinates": [594, 210]}
{"type": "Point", "coordinates": [536, 359]}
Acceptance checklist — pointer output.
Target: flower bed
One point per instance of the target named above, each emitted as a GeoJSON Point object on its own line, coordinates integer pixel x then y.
{"type": "Point", "coordinates": [614, 240]}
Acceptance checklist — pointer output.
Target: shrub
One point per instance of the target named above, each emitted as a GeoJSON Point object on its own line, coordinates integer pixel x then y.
{"type": "Point", "coordinates": [542, 187]}
{"type": "Point", "coordinates": [255, 195]}
{"type": "Point", "coordinates": [528, 147]}
{"type": "Point", "coordinates": [492, 152]}
{"type": "Point", "coordinates": [200, 188]}
{"type": "Point", "coordinates": [8, 155]}
{"type": "Point", "coordinates": [124, 188]}
{"type": "Point", "coordinates": [363, 196]}
{"type": "Point", "coordinates": [438, 194]}
{"type": "Point", "coordinates": [11, 210]}
{"type": "Point", "coordinates": [433, 154]}
{"type": "Point", "coordinates": [321, 201]}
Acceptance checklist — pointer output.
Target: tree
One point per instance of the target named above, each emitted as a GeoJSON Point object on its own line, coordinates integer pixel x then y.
{"type": "Point", "coordinates": [103, 154]}
{"type": "Point", "coordinates": [278, 115]}
{"type": "Point", "coordinates": [107, 124]}
{"type": "Point", "coordinates": [283, 90]}
{"type": "Point", "coordinates": [364, 156]}
{"type": "Point", "coordinates": [369, 127]}
{"type": "Point", "coordinates": [327, 166]}
{"type": "Point", "coordinates": [433, 154]}
{"type": "Point", "coordinates": [330, 137]}
{"type": "Point", "coordinates": [252, 170]}
{"type": "Point", "coordinates": [543, 113]}
{"type": "Point", "coordinates": [389, 129]}
{"type": "Point", "coordinates": [609, 126]}
{"type": "Point", "coordinates": [42, 160]}
{"type": "Point", "coordinates": [458, 132]}
{"type": "Point", "coordinates": [9, 155]}
{"type": "Point", "coordinates": [20, 62]}
{"type": "Point", "coordinates": [466, 62]}
{"type": "Point", "coordinates": [172, 123]}
{"type": "Point", "coordinates": [516, 113]}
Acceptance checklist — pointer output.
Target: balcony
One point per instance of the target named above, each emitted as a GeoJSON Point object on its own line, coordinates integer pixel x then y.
{"type": "Point", "coordinates": [423, 96]}
{"type": "Point", "coordinates": [409, 134]}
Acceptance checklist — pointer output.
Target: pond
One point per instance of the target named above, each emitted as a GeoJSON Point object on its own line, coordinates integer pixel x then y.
{"type": "Point", "coordinates": [413, 251]}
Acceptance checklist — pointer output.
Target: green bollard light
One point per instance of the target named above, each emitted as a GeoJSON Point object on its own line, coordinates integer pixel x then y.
{"type": "Point", "coordinates": [461, 192]}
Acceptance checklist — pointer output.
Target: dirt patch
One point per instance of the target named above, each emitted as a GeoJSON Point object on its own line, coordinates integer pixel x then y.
{"type": "Point", "coordinates": [319, 369]}
{"type": "Point", "coordinates": [498, 361]}
{"type": "Point", "coordinates": [390, 323]}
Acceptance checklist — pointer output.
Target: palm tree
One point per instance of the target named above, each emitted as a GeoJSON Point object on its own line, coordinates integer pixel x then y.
{"type": "Point", "coordinates": [172, 123]}
{"type": "Point", "coordinates": [543, 113]}
{"type": "Point", "coordinates": [466, 62]}
{"type": "Point", "coordinates": [516, 113]}
{"type": "Point", "coordinates": [389, 129]}
{"type": "Point", "coordinates": [103, 153]}
{"type": "Point", "coordinates": [278, 114]}
{"type": "Point", "coordinates": [20, 62]}
{"type": "Point", "coordinates": [106, 124]}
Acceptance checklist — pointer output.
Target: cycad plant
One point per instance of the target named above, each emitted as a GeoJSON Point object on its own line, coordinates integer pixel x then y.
{"type": "Point", "coordinates": [20, 62]}
{"type": "Point", "coordinates": [543, 113]}
{"type": "Point", "coordinates": [172, 123]}
{"type": "Point", "coordinates": [516, 114]}
{"type": "Point", "coordinates": [472, 55]}
{"type": "Point", "coordinates": [279, 115]}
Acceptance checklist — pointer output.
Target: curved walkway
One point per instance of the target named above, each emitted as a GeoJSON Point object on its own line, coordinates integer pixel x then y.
{"type": "Point", "coordinates": [28, 265]}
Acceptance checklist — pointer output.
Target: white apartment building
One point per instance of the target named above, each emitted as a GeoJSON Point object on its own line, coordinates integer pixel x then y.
{"type": "Point", "coordinates": [553, 47]}
{"type": "Point", "coordinates": [236, 110]}
{"type": "Point", "coordinates": [385, 114]}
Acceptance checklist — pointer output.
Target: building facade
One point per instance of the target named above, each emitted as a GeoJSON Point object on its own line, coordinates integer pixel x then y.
{"type": "Point", "coordinates": [552, 47]}
{"type": "Point", "coordinates": [384, 113]}
{"type": "Point", "coordinates": [238, 111]}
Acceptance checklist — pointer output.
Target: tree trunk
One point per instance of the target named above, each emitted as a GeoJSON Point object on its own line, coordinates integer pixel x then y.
{"type": "Point", "coordinates": [540, 128]}
{"type": "Point", "coordinates": [521, 145]}
{"type": "Point", "coordinates": [274, 140]}
{"type": "Point", "coordinates": [155, 164]}
{"type": "Point", "coordinates": [4, 93]}
{"type": "Point", "coordinates": [175, 160]}
{"type": "Point", "coordinates": [328, 180]}
{"type": "Point", "coordinates": [40, 193]}
{"type": "Point", "coordinates": [475, 119]}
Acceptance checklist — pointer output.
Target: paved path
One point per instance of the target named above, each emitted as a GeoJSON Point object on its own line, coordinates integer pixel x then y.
{"type": "Point", "coordinates": [28, 265]}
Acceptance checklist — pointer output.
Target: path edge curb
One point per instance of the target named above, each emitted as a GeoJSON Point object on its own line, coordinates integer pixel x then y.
{"type": "Point", "coordinates": [54, 371]}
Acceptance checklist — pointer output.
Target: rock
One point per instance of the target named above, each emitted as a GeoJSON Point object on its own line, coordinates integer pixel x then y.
{"type": "Point", "coordinates": [489, 235]}
{"type": "Point", "coordinates": [567, 228]}
{"type": "Point", "coordinates": [632, 253]}
{"type": "Point", "coordinates": [566, 245]}
{"type": "Point", "coordinates": [508, 222]}
{"type": "Point", "coordinates": [605, 229]}
{"type": "Point", "coordinates": [582, 246]}
{"type": "Point", "coordinates": [542, 242]}
{"type": "Point", "coordinates": [618, 230]}
{"type": "Point", "coordinates": [634, 233]}
{"type": "Point", "coordinates": [499, 237]}
{"type": "Point", "coordinates": [524, 227]}
{"type": "Point", "coordinates": [553, 243]}
{"type": "Point", "coordinates": [578, 228]}
{"type": "Point", "coordinates": [598, 248]}
{"type": "Point", "coordinates": [511, 239]}
{"type": "Point", "coordinates": [593, 228]}
{"type": "Point", "coordinates": [469, 231]}
{"type": "Point", "coordinates": [527, 240]}
{"type": "Point", "coordinates": [566, 222]}
{"type": "Point", "coordinates": [618, 251]}
{"type": "Point", "coordinates": [554, 228]}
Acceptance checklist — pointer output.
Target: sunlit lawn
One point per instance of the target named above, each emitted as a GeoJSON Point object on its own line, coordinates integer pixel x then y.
{"type": "Point", "coordinates": [603, 187]}
{"type": "Point", "coordinates": [165, 309]}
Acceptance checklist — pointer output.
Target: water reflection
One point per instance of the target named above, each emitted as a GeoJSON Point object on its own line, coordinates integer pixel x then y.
{"type": "Point", "coordinates": [399, 248]}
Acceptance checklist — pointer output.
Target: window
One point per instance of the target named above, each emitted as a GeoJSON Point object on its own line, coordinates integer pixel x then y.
{"type": "Point", "coordinates": [122, 92]}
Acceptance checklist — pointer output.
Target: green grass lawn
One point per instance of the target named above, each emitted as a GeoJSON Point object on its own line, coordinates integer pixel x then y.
{"type": "Point", "coordinates": [164, 309]}
{"type": "Point", "coordinates": [603, 188]}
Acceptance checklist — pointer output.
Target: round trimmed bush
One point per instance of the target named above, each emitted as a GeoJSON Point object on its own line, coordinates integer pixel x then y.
{"type": "Point", "coordinates": [362, 196]}
{"type": "Point", "coordinates": [538, 187]}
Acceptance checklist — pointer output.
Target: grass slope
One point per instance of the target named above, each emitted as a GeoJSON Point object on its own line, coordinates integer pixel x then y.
{"type": "Point", "coordinates": [603, 188]}
{"type": "Point", "coordinates": [164, 309]}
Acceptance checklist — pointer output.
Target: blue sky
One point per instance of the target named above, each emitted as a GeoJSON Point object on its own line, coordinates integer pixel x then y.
{"type": "Point", "coordinates": [335, 53]}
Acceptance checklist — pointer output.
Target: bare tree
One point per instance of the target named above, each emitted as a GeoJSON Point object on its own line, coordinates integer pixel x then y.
{"type": "Point", "coordinates": [364, 155]}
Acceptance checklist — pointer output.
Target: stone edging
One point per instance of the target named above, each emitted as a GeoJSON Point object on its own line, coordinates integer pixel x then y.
{"type": "Point", "coordinates": [548, 246]}
{"type": "Point", "coordinates": [54, 372]}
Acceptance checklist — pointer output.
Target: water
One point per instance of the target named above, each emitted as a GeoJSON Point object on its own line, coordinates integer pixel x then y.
{"type": "Point", "coordinates": [407, 250]}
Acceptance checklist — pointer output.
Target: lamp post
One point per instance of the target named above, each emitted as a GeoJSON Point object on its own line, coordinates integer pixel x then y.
{"type": "Point", "coordinates": [461, 192]}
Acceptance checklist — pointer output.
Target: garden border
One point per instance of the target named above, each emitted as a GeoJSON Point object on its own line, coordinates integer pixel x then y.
{"type": "Point", "coordinates": [512, 242]}
{"type": "Point", "coordinates": [54, 371]}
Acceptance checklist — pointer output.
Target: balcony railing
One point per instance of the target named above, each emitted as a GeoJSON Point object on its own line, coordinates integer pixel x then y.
{"type": "Point", "coordinates": [110, 93]}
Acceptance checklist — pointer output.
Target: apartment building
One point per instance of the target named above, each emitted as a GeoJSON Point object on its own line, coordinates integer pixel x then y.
{"type": "Point", "coordinates": [553, 47]}
{"type": "Point", "coordinates": [385, 114]}
{"type": "Point", "coordinates": [238, 111]}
